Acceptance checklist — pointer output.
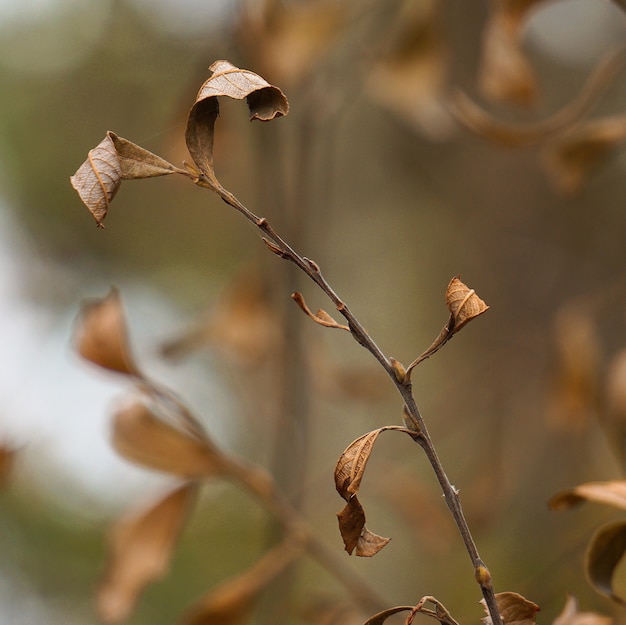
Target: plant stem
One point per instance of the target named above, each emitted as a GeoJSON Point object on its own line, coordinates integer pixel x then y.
{"type": "Point", "coordinates": [311, 269]}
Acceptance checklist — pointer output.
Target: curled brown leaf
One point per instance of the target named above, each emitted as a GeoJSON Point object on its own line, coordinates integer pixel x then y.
{"type": "Point", "coordinates": [142, 437]}
{"type": "Point", "coordinates": [114, 159]}
{"type": "Point", "coordinates": [463, 303]}
{"type": "Point", "coordinates": [440, 612]}
{"type": "Point", "coordinates": [321, 317]}
{"type": "Point", "coordinates": [514, 609]}
{"type": "Point", "coordinates": [381, 617]}
{"type": "Point", "coordinates": [605, 551]}
{"type": "Point", "coordinates": [100, 335]}
{"type": "Point", "coordinates": [289, 39]}
{"type": "Point", "coordinates": [231, 601]}
{"type": "Point", "coordinates": [409, 79]}
{"type": "Point", "coordinates": [242, 325]}
{"type": "Point", "coordinates": [505, 73]}
{"type": "Point", "coordinates": [479, 121]}
{"type": "Point", "coordinates": [571, 616]}
{"type": "Point", "coordinates": [352, 462]}
{"type": "Point", "coordinates": [140, 550]}
{"type": "Point", "coordinates": [348, 474]}
{"type": "Point", "coordinates": [615, 396]}
{"type": "Point", "coordinates": [611, 493]}
{"type": "Point", "coordinates": [354, 533]}
{"type": "Point", "coordinates": [98, 179]}
{"type": "Point", "coordinates": [574, 396]}
{"type": "Point", "coordinates": [265, 102]}
{"type": "Point", "coordinates": [572, 158]}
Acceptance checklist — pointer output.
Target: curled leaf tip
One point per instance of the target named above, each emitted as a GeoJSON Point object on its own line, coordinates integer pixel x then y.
{"type": "Point", "coordinates": [463, 303]}
{"type": "Point", "coordinates": [265, 102]}
{"type": "Point", "coordinates": [101, 336]}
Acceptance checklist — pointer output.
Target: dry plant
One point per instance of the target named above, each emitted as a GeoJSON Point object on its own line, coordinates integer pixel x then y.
{"type": "Point", "coordinates": [158, 431]}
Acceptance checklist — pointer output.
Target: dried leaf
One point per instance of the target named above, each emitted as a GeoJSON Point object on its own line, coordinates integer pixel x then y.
{"type": "Point", "coordinates": [482, 123]}
{"type": "Point", "coordinates": [231, 601]}
{"type": "Point", "coordinates": [137, 162]}
{"type": "Point", "coordinates": [243, 325]}
{"type": "Point", "coordinates": [140, 550]}
{"type": "Point", "coordinates": [100, 335]}
{"type": "Point", "coordinates": [114, 159]}
{"type": "Point", "coordinates": [611, 493]}
{"type": "Point", "coordinates": [513, 608]}
{"type": "Point", "coordinates": [381, 617]}
{"type": "Point", "coordinates": [506, 75]}
{"type": "Point", "coordinates": [604, 553]}
{"type": "Point", "coordinates": [98, 179]}
{"type": "Point", "coordinates": [409, 79]}
{"type": "Point", "coordinates": [348, 474]}
{"type": "Point", "coordinates": [440, 612]}
{"type": "Point", "coordinates": [463, 303]}
{"type": "Point", "coordinates": [354, 533]}
{"type": "Point", "coordinates": [289, 39]}
{"type": "Point", "coordinates": [574, 392]}
{"type": "Point", "coordinates": [321, 317]}
{"type": "Point", "coordinates": [615, 399]}
{"type": "Point", "coordinates": [571, 159]}
{"type": "Point", "coordinates": [351, 464]}
{"type": "Point", "coordinates": [141, 437]}
{"type": "Point", "coordinates": [571, 616]}
{"type": "Point", "coordinates": [265, 103]}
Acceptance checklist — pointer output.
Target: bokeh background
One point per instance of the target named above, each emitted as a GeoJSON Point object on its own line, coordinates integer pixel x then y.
{"type": "Point", "coordinates": [371, 176]}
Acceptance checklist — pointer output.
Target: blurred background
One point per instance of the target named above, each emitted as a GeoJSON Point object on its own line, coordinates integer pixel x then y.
{"type": "Point", "coordinates": [375, 177]}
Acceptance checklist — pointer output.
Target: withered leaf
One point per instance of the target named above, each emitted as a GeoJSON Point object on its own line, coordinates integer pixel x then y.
{"type": "Point", "coordinates": [100, 335]}
{"type": "Point", "coordinates": [410, 77]}
{"type": "Point", "coordinates": [321, 317]}
{"type": "Point", "coordinates": [98, 179]}
{"type": "Point", "coordinates": [114, 159]}
{"type": "Point", "coordinates": [463, 303]}
{"type": "Point", "coordinates": [348, 474]}
{"type": "Point", "coordinates": [231, 601]}
{"type": "Point", "coordinates": [476, 119]}
{"type": "Point", "coordinates": [351, 464]}
{"type": "Point", "coordinates": [574, 392]}
{"type": "Point", "coordinates": [381, 617]}
{"type": "Point", "coordinates": [604, 553]}
{"type": "Point", "coordinates": [615, 396]}
{"type": "Point", "coordinates": [480, 122]}
{"type": "Point", "coordinates": [505, 73]}
{"type": "Point", "coordinates": [354, 533]}
{"type": "Point", "coordinates": [137, 162]}
{"type": "Point", "coordinates": [571, 616]}
{"type": "Point", "coordinates": [611, 493]}
{"type": "Point", "coordinates": [243, 325]}
{"type": "Point", "coordinates": [140, 436]}
{"type": "Point", "coordinates": [265, 102]}
{"type": "Point", "coordinates": [140, 550]}
{"type": "Point", "coordinates": [289, 39]}
{"type": "Point", "coordinates": [572, 158]}
{"type": "Point", "coordinates": [514, 609]}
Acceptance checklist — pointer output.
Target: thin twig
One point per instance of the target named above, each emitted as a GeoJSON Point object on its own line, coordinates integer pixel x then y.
{"type": "Point", "coordinates": [281, 248]}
